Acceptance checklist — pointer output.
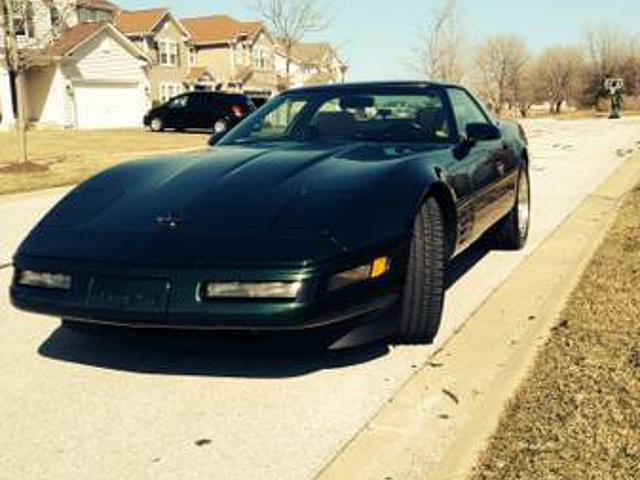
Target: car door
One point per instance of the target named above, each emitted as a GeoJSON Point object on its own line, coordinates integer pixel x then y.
{"type": "Point", "coordinates": [485, 161]}
{"type": "Point", "coordinates": [176, 112]}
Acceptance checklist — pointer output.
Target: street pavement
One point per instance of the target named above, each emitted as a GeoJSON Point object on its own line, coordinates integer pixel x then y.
{"type": "Point", "coordinates": [78, 407]}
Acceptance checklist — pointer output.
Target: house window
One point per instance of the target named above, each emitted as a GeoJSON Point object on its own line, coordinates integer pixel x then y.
{"type": "Point", "coordinates": [193, 58]}
{"type": "Point", "coordinates": [23, 19]}
{"type": "Point", "coordinates": [88, 15]}
{"type": "Point", "coordinates": [260, 58]}
{"type": "Point", "coordinates": [169, 90]}
{"type": "Point", "coordinates": [55, 16]}
{"type": "Point", "coordinates": [168, 53]}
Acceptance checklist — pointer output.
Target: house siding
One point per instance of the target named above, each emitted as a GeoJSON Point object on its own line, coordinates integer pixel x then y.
{"type": "Point", "coordinates": [104, 59]}
{"type": "Point", "coordinates": [159, 74]}
{"type": "Point", "coordinates": [217, 59]}
{"type": "Point", "coordinates": [101, 60]}
{"type": "Point", "coordinates": [47, 96]}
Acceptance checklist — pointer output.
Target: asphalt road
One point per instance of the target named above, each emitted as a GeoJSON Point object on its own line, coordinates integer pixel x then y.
{"type": "Point", "coordinates": [77, 407]}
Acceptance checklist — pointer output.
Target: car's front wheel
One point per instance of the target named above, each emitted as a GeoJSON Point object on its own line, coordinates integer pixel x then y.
{"type": "Point", "coordinates": [424, 287]}
{"type": "Point", "coordinates": [156, 124]}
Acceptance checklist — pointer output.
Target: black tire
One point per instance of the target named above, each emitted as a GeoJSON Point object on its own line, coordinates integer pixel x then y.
{"type": "Point", "coordinates": [509, 234]}
{"type": "Point", "coordinates": [424, 287]}
{"type": "Point", "coordinates": [156, 125]}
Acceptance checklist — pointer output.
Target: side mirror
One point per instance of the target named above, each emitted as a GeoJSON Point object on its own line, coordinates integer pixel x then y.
{"type": "Point", "coordinates": [216, 138]}
{"type": "Point", "coordinates": [480, 132]}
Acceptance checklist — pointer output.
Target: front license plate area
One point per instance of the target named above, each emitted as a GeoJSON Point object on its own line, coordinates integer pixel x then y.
{"type": "Point", "coordinates": [141, 296]}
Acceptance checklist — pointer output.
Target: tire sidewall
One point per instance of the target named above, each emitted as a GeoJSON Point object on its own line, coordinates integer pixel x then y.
{"type": "Point", "coordinates": [156, 125]}
{"type": "Point", "coordinates": [522, 239]}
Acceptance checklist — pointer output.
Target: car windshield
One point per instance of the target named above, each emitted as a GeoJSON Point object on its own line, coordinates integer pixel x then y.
{"type": "Point", "coordinates": [414, 116]}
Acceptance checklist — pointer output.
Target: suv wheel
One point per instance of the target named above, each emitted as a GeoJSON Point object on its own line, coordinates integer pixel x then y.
{"type": "Point", "coordinates": [156, 125]}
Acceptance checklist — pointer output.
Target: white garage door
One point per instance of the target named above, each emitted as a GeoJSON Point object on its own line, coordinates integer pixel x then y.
{"type": "Point", "coordinates": [108, 106]}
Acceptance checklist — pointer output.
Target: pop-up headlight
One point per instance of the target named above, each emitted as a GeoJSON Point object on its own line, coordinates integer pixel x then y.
{"type": "Point", "coordinates": [251, 290]}
{"type": "Point", "coordinates": [53, 281]}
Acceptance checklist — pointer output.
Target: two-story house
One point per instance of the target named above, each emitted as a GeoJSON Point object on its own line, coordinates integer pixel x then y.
{"type": "Point", "coordinates": [240, 55]}
{"type": "Point", "coordinates": [87, 74]}
{"type": "Point", "coordinates": [166, 41]}
{"type": "Point", "coordinates": [310, 64]}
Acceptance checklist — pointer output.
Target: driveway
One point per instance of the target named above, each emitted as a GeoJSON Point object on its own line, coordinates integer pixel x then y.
{"type": "Point", "coordinates": [78, 407]}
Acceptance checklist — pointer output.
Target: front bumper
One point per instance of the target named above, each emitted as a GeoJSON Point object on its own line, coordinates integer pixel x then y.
{"type": "Point", "coordinates": [142, 297]}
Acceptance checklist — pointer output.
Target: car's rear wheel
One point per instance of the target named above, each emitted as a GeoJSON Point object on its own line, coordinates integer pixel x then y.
{"type": "Point", "coordinates": [220, 126]}
{"type": "Point", "coordinates": [424, 287]}
{"type": "Point", "coordinates": [513, 231]}
{"type": "Point", "coordinates": [156, 124]}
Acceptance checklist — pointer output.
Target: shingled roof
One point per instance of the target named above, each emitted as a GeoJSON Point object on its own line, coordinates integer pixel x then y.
{"type": "Point", "coordinates": [73, 37]}
{"type": "Point", "coordinates": [76, 36]}
{"type": "Point", "coordinates": [140, 21]}
{"type": "Point", "coordinates": [219, 29]}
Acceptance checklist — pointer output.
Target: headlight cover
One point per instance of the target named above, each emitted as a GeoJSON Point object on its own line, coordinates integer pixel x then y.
{"type": "Point", "coordinates": [53, 281]}
{"type": "Point", "coordinates": [251, 290]}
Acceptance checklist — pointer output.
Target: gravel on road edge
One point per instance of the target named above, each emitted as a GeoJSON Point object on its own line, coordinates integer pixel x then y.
{"type": "Point", "coordinates": [577, 415]}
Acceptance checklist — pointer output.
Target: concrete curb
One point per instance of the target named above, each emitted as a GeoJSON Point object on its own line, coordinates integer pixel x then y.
{"type": "Point", "coordinates": [439, 422]}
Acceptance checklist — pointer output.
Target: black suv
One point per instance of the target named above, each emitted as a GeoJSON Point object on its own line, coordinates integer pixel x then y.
{"type": "Point", "coordinates": [203, 110]}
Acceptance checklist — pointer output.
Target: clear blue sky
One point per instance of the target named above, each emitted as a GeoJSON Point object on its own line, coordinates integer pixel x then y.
{"type": "Point", "coordinates": [376, 36]}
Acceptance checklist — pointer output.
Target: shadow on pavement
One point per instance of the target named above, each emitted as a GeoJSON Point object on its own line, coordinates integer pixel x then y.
{"type": "Point", "coordinates": [200, 355]}
{"type": "Point", "coordinates": [465, 262]}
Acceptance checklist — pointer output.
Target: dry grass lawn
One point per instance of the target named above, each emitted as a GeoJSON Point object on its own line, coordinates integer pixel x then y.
{"type": "Point", "coordinates": [577, 416]}
{"type": "Point", "coordinates": [72, 156]}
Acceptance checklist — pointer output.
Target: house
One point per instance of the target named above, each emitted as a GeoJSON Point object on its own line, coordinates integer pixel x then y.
{"type": "Point", "coordinates": [311, 64]}
{"type": "Point", "coordinates": [163, 38]}
{"type": "Point", "coordinates": [86, 73]}
{"type": "Point", "coordinates": [240, 55]}
{"type": "Point", "coordinates": [95, 79]}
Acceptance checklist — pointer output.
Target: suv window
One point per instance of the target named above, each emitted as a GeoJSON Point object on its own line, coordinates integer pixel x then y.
{"type": "Point", "coordinates": [465, 109]}
{"type": "Point", "coordinates": [179, 102]}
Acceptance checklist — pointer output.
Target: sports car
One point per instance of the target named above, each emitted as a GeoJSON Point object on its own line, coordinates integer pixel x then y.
{"type": "Point", "coordinates": [331, 207]}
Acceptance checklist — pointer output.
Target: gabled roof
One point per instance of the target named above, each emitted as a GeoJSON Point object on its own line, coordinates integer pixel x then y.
{"type": "Point", "coordinates": [76, 36]}
{"type": "Point", "coordinates": [220, 29]}
{"type": "Point", "coordinates": [72, 38]}
{"type": "Point", "coordinates": [143, 22]}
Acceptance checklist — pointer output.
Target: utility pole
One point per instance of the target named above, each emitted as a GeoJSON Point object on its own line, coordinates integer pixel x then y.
{"type": "Point", "coordinates": [16, 72]}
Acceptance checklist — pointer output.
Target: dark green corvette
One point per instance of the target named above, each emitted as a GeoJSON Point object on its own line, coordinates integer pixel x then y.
{"type": "Point", "coordinates": [332, 207]}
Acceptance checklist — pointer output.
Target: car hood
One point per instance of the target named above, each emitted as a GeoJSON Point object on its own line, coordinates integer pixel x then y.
{"type": "Point", "coordinates": [279, 203]}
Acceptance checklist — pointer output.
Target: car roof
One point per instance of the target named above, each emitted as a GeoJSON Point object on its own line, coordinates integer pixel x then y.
{"type": "Point", "coordinates": [355, 86]}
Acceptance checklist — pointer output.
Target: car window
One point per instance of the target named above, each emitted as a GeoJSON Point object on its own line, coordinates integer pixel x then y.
{"type": "Point", "coordinates": [276, 123]}
{"type": "Point", "coordinates": [403, 117]}
{"type": "Point", "coordinates": [465, 109]}
{"type": "Point", "coordinates": [178, 102]}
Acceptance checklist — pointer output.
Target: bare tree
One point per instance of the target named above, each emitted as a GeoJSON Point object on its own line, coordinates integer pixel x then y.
{"type": "Point", "coordinates": [439, 55]}
{"type": "Point", "coordinates": [608, 50]}
{"type": "Point", "coordinates": [22, 51]}
{"type": "Point", "coordinates": [557, 75]}
{"type": "Point", "coordinates": [500, 62]}
{"type": "Point", "coordinates": [291, 21]}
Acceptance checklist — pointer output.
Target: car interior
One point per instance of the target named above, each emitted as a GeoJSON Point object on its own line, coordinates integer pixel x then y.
{"type": "Point", "coordinates": [360, 118]}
